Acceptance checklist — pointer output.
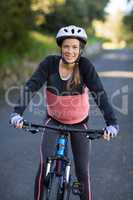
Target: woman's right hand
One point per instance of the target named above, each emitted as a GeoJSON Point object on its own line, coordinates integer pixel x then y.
{"type": "Point", "coordinates": [16, 120]}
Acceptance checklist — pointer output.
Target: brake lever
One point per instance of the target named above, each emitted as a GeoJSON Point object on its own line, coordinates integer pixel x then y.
{"type": "Point", "coordinates": [93, 136]}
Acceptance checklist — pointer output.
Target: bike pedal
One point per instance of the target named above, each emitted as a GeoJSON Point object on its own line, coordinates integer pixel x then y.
{"type": "Point", "coordinates": [76, 188]}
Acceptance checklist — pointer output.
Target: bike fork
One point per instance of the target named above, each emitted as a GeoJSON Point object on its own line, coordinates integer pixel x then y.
{"type": "Point", "coordinates": [48, 166]}
{"type": "Point", "coordinates": [67, 172]}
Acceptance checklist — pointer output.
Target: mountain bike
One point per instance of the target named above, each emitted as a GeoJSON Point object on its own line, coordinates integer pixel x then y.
{"type": "Point", "coordinates": [58, 180]}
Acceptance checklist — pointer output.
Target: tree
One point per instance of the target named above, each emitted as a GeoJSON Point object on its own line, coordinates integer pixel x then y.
{"type": "Point", "coordinates": [63, 12]}
{"type": "Point", "coordinates": [128, 21]}
{"type": "Point", "coordinates": [112, 28]}
{"type": "Point", "coordinates": [15, 21]}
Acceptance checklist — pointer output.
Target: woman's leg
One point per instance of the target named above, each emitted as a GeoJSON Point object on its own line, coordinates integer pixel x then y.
{"type": "Point", "coordinates": [81, 150]}
{"type": "Point", "coordinates": [47, 148]}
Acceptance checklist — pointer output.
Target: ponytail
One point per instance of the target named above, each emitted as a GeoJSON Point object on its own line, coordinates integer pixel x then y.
{"type": "Point", "coordinates": [75, 79]}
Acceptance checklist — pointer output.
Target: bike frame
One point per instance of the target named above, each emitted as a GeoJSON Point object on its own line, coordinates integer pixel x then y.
{"type": "Point", "coordinates": [59, 165]}
{"type": "Point", "coordinates": [60, 160]}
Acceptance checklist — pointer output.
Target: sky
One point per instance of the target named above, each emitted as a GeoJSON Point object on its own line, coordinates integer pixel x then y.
{"type": "Point", "coordinates": [114, 5]}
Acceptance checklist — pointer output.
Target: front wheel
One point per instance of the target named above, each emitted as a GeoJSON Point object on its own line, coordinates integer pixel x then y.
{"type": "Point", "coordinates": [52, 188]}
{"type": "Point", "coordinates": [67, 190]}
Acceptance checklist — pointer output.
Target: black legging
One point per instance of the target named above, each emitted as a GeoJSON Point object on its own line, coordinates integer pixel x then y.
{"type": "Point", "coordinates": [80, 149]}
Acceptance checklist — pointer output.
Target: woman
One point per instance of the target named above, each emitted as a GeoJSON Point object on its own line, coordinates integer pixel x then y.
{"type": "Point", "coordinates": [68, 78]}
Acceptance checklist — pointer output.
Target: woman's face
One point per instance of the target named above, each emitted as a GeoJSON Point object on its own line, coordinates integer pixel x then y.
{"type": "Point", "coordinates": [70, 49]}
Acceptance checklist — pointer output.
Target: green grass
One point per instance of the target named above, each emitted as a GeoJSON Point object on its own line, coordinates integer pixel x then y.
{"type": "Point", "coordinates": [41, 46]}
{"type": "Point", "coordinates": [16, 67]}
{"type": "Point", "coordinates": [130, 44]}
{"type": "Point", "coordinates": [94, 39]}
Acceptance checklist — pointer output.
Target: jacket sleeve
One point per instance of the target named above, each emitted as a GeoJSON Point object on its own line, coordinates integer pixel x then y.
{"type": "Point", "coordinates": [36, 81]}
{"type": "Point", "coordinates": [95, 86]}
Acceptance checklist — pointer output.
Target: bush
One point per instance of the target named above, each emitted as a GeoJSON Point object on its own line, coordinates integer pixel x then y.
{"type": "Point", "coordinates": [15, 68]}
{"type": "Point", "coordinates": [15, 21]}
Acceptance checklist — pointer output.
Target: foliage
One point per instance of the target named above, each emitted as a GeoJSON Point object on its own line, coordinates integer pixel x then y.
{"type": "Point", "coordinates": [112, 29]}
{"type": "Point", "coordinates": [15, 21]}
{"type": "Point", "coordinates": [22, 49]}
{"type": "Point", "coordinates": [78, 12]}
{"type": "Point", "coordinates": [128, 21]}
{"type": "Point", "coordinates": [14, 68]}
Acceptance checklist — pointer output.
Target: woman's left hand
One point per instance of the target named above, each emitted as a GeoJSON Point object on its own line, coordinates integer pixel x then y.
{"type": "Point", "coordinates": [110, 132]}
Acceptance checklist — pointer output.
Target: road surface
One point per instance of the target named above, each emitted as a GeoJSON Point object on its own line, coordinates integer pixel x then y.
{"type": "Point", "coordinates": [111, 162]}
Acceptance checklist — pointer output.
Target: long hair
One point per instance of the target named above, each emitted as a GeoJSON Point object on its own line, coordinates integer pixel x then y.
{"type": "Point", "coordinates": [75, 79]}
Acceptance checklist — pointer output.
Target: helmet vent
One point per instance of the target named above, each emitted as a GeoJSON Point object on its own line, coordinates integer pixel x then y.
{"type": "Point", "coordinates": [79, 30]}
{"type": "Point", "coordinates": [65, 30]}
{"type": "Point", "coordinates": [72, 31]}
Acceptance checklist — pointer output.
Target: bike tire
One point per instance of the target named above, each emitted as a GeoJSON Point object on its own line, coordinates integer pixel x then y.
{"type": "Point", "coordinates": [67, 190]}
{"type": "Point", "coordinates": [46, 187]}
{"type": "Point", "coordinates": [66, 194]}
{"type": "Point", "coordinates": [53, 190]}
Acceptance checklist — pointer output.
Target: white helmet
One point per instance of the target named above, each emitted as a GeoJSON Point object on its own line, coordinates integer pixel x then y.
{"type": "Point", "coordinates": [71, 31]}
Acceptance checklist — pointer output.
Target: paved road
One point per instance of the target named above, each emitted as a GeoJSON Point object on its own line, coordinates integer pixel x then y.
{"type": "Point", "coordinates": [111, 162]}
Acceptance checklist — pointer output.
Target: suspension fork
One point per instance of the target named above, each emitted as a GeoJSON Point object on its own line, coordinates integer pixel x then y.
{"type": "Point", "coordinates": [48, 165]}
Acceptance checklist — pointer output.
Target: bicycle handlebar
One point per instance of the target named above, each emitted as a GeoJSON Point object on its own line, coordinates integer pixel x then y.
{"type": "Point", "coordinates": [35, 128]}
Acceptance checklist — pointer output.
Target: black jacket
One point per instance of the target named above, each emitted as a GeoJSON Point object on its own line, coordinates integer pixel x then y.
{"type": "Point", "coordinates": [89, 77]}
